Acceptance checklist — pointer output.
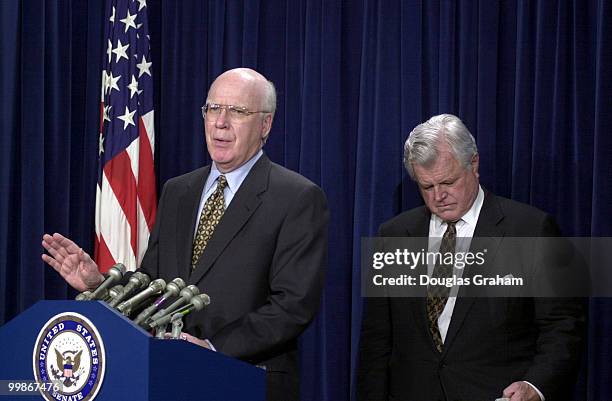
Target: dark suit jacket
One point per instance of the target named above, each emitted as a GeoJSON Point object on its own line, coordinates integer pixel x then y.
{"type": "Point", "coordinates": [491, 342]}
{"type": "Point", "coordinates": [263, 267]}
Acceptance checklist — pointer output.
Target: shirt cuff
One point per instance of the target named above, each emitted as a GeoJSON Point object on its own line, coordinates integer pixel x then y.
{"type": "Point", "coordinates": [212, 347]}
{"type": "Point", "coordinates": [536, 389]}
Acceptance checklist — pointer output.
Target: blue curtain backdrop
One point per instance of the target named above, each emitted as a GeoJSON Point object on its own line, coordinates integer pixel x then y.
{"type": "Point", "coordinates": [531, 79]}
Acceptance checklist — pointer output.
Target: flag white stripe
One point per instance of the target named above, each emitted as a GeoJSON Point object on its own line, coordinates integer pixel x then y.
{"type": "Point", "coordinates": [143, 234]}
{"type": "Point", "coordinates": [115, 228]}
{"type": "Point", "coordinates": [148, 120]}
{"type": "Point", "coordinates": [98, 211]}
{"type": "Point", "coordinates": [133, 152]}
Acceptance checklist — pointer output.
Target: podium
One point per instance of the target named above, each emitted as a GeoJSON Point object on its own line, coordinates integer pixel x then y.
{"type": "Point", "coordinates": [116, 359]}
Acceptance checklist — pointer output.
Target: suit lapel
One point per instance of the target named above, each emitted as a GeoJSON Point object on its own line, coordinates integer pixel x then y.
{"type": "Point", "coordinates": [189, 203]}
{"type": "Point", "coordinates": [244, 204]}
{"type": "Point", "coordinates": [490, 216]}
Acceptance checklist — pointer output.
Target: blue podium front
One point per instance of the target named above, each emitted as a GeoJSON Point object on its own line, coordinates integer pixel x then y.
{"type": "Point", "coordinates": [89, 351]}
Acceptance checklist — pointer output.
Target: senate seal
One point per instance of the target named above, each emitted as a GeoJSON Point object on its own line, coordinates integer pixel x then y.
{"type": "Point", "coordinates": [69, 352]}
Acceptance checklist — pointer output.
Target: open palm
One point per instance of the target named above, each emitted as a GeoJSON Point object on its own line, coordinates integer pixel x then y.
{"type": "Point", "coordinates": [71, 262]}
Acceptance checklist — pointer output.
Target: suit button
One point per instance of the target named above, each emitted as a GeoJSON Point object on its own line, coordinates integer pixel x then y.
{"type": "Point", "coordinates": [442, 365]}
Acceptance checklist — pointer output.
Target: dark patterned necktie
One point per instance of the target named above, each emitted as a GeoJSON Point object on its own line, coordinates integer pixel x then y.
{"type": "Point", "coordinates": [209, 218]}
{"type": "Point", "coordinates": [437, 295]}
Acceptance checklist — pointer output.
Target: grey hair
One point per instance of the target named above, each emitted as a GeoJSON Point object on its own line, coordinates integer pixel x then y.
{"type": "Point", "coordinates": [421, 147]}
{"type": "Point", "coordinates": [269, 100]}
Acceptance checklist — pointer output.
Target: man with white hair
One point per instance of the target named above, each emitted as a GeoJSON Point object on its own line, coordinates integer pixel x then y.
{"type": "Point", "coordinates": [447, 347]}
{"type": "Point", "coordinates": [248, 232]}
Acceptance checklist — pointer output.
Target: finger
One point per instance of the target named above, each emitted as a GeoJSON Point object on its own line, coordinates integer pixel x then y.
{"type": "Point", "coordinates": [53, 252]}
{"type": "Point", "coordinates": [51, 262]}
{"type": "Point", "coordinates": [84, 256]}
{"type": "Point", "coordinates": [63, 245]}
{"type": "Point", "coordinates": [63, 250]}
{"type": "Point", "coordinates": [67, 243]}
{"type": "Point", "coordinates": [46, 244]}
{"type": "Point", "coordinates": [58, 237]}
{"type": "Point", "coordinates": [59, 249]}
{"type": "Point", "coordinates": [47, 241]}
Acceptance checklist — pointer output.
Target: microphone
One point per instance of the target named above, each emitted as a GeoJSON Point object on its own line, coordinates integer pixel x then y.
{"type": "Point", "coordinates": [137, 280]}
{"type": "Point", "coordinates": [172, 289]}
{"type": "Point", "coordinates": [156, 287]}
{"type": "Point", "coordinates": [83, 296]}
{"type": "Point", "coordinates": [113, 292]}
{"type": "Point", "coordinates": [184, 297]}
{"type": "Point", "coordinates": [114, 275]}
{"type": "Point", "coordinates": [197, 302]}
{"type": "Point", "coordinates": [106, 295]}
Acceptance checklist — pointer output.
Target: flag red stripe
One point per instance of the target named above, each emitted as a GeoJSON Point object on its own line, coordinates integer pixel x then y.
{"type": "Point", "coordinates": [103, 255]}
{"type": "Point", "coordinates": [101, 116]}
{"type": "Point", "coordinates": [119, 174]}
{"type": "Point", "coordinates": [146, 177]}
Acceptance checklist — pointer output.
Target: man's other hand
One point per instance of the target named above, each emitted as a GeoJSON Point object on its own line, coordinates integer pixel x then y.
{"type": "Point", "coordinates": [191, 339]}
{"type": "Point", "coordinates": [521, 391]}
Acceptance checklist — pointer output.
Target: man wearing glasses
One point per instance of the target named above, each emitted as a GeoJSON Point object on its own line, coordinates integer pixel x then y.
{"type": "Point", "coordinates": [248, 232]}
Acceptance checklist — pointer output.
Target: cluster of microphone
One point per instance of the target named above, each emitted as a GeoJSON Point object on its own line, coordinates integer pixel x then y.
{"type": "Point", "coordinates": [150, 304]}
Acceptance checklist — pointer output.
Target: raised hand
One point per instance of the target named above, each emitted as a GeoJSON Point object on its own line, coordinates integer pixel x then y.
{"type": "Point", "coordinates": [71, 262]}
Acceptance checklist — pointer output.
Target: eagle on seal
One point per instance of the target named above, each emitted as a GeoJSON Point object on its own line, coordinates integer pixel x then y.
{"type": "Point", "coordinates": [70, 362]}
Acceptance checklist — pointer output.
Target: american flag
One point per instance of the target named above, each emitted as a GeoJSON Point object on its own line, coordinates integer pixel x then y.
{"type": "Point", "coordinates": [126, 195]}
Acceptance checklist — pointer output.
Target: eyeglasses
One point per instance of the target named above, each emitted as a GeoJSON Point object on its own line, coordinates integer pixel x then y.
{"type": "Point", "coordinates": [211, 111]}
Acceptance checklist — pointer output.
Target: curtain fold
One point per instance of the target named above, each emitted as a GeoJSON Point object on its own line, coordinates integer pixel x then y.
{"type": "Point", "coordinates": [49, 67]}
{"type": "Point", "coordinates": [532, 80]}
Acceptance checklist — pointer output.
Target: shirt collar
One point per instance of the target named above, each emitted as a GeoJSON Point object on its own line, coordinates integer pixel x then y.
{"type": "Point", "coordinates": [235, 177]}
{"type": "Point", "coordinates": [470, 217]}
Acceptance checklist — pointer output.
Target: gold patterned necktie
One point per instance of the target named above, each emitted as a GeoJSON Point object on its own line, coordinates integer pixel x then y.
{"type": "Point", "coordinates": [437, 295]}
{"type": "Point", "coordinates": [209, 218]}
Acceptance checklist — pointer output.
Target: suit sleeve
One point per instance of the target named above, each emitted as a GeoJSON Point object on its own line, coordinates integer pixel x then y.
{"type": "Point", "coordinates": [374, 350]}
{"type": "Point", "coordinates": [561, 326]}
{"type": "Point", "coordinates": [375, 345]}
{"type": "Point", "coordinates": [295, 279]}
